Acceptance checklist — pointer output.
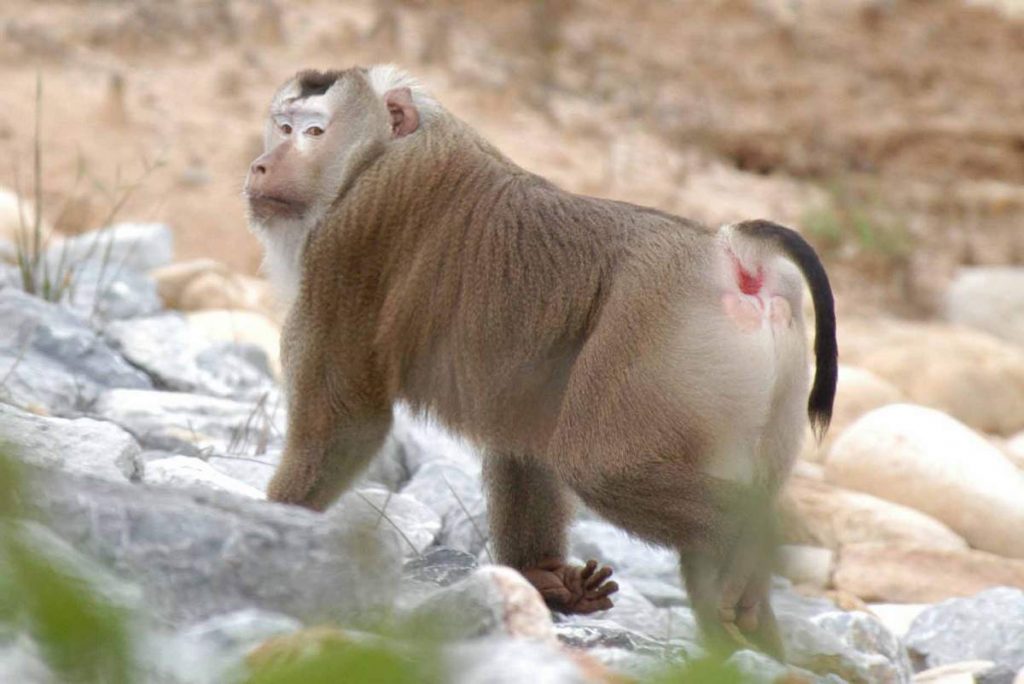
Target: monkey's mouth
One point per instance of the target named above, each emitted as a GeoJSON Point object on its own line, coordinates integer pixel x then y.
{"type": "Point", "coordinates": [268, 206]}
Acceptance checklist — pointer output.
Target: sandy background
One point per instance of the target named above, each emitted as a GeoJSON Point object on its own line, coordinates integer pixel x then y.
{"type": "Point", "coordinates": [891, 133]}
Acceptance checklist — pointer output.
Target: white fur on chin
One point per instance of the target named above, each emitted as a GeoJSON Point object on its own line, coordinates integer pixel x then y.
{"type": "Point", "coordinates": [283, 242]}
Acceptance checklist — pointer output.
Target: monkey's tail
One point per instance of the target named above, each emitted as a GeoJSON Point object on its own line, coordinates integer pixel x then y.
{"type": "Point", "coordinates": [826, 351]}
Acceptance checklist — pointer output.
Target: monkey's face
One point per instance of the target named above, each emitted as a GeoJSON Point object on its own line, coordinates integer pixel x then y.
{"type": "Point", "coordinates": [319, 125]}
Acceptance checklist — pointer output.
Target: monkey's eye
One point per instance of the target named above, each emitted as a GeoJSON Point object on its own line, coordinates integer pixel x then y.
{"type": "Point", "coordinates": [286, 129]}
{"type": "Point", "coordinates": [314, 131]}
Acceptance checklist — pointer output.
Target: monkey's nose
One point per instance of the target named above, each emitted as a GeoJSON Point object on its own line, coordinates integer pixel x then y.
{"type": "Point", "coordinates": [258, 168]}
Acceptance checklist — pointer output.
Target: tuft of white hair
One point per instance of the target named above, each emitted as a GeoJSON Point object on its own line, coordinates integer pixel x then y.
{"type": "Point", "coordinates": [385, 77]}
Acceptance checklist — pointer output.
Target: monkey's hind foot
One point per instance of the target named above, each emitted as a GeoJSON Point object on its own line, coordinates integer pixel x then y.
{"type": "Point", "coordinates": [573, 588]}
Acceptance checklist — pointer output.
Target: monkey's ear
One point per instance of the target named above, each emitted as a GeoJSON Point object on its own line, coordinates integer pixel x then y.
{"type": "Point", "coordinates": [404, 117]}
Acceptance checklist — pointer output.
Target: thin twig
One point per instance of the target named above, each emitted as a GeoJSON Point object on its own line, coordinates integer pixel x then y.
{"type": "Point", "coordinates": [472, 520]}
{"type": "Point", "coordinates": [385, 516]}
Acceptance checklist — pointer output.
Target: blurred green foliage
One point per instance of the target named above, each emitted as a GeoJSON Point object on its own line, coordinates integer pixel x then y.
{"type": "Point", "coordinates": [856, 216]}
{"type": "Point", "coordinates": [82, 637]}
{"type": "Point", "coordinates": [353, 662]}
{"type": "Point", "coordinates": [703, 671]}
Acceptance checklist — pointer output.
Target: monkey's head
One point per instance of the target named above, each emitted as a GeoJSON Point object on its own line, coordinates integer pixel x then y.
{"type": "Point", "coordinates": [322, 127]}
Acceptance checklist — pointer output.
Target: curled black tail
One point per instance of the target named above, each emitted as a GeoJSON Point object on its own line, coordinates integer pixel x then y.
{"type": "Point", "coordinates": [826, 352]}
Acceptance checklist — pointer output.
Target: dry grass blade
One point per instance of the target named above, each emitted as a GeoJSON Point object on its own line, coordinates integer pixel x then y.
{"type": "Point", "coordinates": [384, 516]}
{"type": "Point", "coordinates": [472, 521]}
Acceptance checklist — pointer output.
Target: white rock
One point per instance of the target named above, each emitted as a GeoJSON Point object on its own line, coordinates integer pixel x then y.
{"type": "Point", "coordinates": [415, 522]}
{"type": "Point", "coordinates": [457, 496]}
{"type": "Point", "coordinates": [214, 650]}
{"type": "Point", "coordinates": [16, 215]}
{"type": "Point", "coordinates": [492, 600]}
{"type": "Point", "coordinates": [136, 246]}
{"type": "Point", "coordinates": [989, 298]}
{"type": "Point", "coordinates": [967, 672]}
{"type": "Point", "coordinates": [254, 470]}
{"type": "Point", "coordinates": [857, 392]}
{"type": "Point", "coordinates": [626, 554]}
{"type": "Point", "coordinates": [971, 375]}
{"type": "Point", "coordinates": [186, 471]}
{"type": "Point", "coordinates": [422, 440]}
{"type": "Point", "coordinates": [181, 358]}
{"type": "Point", "coordinates": [820, 514]}
{"type": "Point", "coordinates": [242, 327]}
{"type": "Point", "coordinates": [194, 424]}
{"type": "Point", "coordinates": [897, 617]}
{"type": "Point", "coordinates": [82, 446]}
{"type": "Point", "coordinates": [806, 565]}
{"type": "Point", "coordinates": [1014, 448]}
{"type": "Point", "coordinates": [924, 459]}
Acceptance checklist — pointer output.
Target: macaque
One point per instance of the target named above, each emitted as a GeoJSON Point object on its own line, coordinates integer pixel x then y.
{"type": "Point", "coordinates": [652, 366]}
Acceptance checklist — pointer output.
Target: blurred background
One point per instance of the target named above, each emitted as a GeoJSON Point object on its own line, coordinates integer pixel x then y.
{"type": "Point", "coordinates": [890, 132]}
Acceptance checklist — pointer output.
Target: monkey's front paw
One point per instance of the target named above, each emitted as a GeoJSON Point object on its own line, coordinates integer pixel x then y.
{"type": "Point", "coordinates": [572, 588]}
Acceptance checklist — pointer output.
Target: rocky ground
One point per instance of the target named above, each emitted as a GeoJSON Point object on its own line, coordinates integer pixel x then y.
{"type": "Point", "coordinates": [149, 434]}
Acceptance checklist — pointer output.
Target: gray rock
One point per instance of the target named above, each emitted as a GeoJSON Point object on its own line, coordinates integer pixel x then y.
{"type": "Point", "coordinates": [254, 471]}
{"type": "Point", "coordinates": [627, 555]}
{"type": "Point", "coordinates": [255, 465]}
{"type": "Point", "coordinates": [633, 611]}
{"type": "Point", "coordinates": [199, 555]}
{"type": "Point", "coordinates": [881, 650]}
{"type": "Point", "coordinates": [815, 648]}
{"type": "Point", "coordinates": [193, 424]}
{"type": "Point", "coordinates": [82, 446]}
{"type": "Point", "coordinates": [137, 247]}
{"type": "Point", "coordinates": [440, 566]}
{"type": "Point", "coordinates": [787, 602]}
{"type": "Point", "coordinates": [51, 359]}
{"type": "Point", "coordinates": [213, 651]}
{"type": "Point", "coordinates": [589, 633]}
{"type": "Point", "coordinates": [456, 495]}
{"type": "Point", "coordinates": [500, 660]}
{"type": "Point", "coordinates": [181, 359]}
{"type": "Point", "coordinates": [388, 467]}
{"type": "Point", "coordinates": [986, 626]}
{"type": "Point", "coordinates": [188, 472]}
{"type": "Point", "coordinates": [758, 668]}
{"type": "Point", "coordinates": [415, 523]}
{"type": "Point", "coordinates": [109, 293]}
{"type": "Point", "coordinates": [493, 599]}
{"type": "Point", "coordinates": [661, 594]}
{"type": "Point", "coordinates": [421, 441]}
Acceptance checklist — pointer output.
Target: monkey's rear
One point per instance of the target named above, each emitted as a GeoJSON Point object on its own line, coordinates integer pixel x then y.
{"type": "Point", "coordinates": [652, 366]}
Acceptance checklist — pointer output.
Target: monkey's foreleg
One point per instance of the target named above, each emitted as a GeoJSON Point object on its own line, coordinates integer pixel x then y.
{"type": "Point", "coordinates": [529, 510]}
{"type": "Point", "coordinates": [334, 429]}
{"type": "Point", "coordinates": [314, 471]}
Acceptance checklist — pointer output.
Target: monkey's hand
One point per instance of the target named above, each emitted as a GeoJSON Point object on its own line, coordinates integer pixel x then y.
{"type": "Point", "coordinates": [572, 588]}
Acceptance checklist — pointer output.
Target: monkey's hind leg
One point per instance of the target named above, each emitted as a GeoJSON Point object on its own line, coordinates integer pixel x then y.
{"type": "Point", "coordinates": [729, 591]}
{"type": "Point", "coordinates": [529, 510]}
